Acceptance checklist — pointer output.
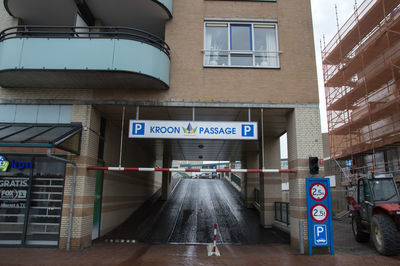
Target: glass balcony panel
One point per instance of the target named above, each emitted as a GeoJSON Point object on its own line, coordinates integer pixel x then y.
{"type": "Point", "coordinates": [216, 58]}
{"type": "Point", "coordinates": [266, 59]}
{"type": "Point", "coordinates": [241, 59]}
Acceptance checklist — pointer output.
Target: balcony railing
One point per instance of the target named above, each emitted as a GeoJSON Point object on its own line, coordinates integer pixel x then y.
{"type": "Point", "coordinates": [282, 212]}
{"type": "Point", "coordinates": [91, 32]}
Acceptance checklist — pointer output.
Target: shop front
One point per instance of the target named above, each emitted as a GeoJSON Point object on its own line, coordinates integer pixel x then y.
{"type": "Point", "coordinates": [31, 195]}
{"type": "Point", "coordinates": [32, 183]}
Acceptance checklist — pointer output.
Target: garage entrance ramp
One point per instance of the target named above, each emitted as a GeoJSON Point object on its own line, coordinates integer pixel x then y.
{"type": "Point", "coordinates": [188, 217]}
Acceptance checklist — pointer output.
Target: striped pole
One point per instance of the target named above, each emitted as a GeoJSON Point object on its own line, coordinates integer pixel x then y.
{"type": "Point", "coordinates": [215, 238]}
{"type": "Point", "coordinates": [142, 169]}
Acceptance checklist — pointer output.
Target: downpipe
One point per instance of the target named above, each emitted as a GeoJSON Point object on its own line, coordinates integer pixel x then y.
{"type": "Point", "coordinates": [71, 205]}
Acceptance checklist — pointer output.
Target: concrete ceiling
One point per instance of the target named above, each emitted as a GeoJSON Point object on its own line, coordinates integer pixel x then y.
{"type": "Point", "coordinates": [207, 150]}
{"type": "Point", "coordinates": [151, 16]}
{"type": "Point", "coordinates": [78, 79]}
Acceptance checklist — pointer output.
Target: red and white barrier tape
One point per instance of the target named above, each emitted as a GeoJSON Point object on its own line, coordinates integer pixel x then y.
{"type": "Point", "coordinates": [215, 238]}
{"type": "Point", "coordinates": [140, 169]}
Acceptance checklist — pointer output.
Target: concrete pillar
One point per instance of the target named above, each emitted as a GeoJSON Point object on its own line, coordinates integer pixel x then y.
{"type": "Point", "coordinates": [270, 184]}
{"type": "Point", "coordinates": [231, 166]}
{"type": "Point", "coordinates": [304, 140]}
{"type": "Point", "coordinates": [243, 184]}
{"type": "Point", "coordinates": [166, 184]}
{"type": "Point", "coordinates": [252, 179]}
{"type": "Point", "coordinates": [82, 222]}
{"type": "Point", "coordinates": [166, 176]}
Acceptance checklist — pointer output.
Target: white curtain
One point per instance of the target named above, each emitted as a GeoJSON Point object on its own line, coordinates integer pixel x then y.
{"type": "Point", "coordinates": [216, 38]}
{"type": "Point", "coordinates": [270, 41]}
{"type": "Point", "coordinates": [209, 41]}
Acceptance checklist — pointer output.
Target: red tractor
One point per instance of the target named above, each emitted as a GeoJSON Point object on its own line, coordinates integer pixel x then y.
{"type": "Point", "coordinates": [376, 213]}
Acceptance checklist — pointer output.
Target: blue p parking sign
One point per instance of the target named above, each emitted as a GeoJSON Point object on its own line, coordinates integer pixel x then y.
{"type": "Point", "coordinates": [247, 130]}
{"type": "Point", "coordinates": [138, 128]}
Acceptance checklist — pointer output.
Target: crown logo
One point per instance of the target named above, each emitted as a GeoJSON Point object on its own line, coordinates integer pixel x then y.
{"type": "Point", "coordinates": [189, 129]}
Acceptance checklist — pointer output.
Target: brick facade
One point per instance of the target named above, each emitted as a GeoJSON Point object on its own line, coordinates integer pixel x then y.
{"type": "Point", "coordinates": [294, 83]}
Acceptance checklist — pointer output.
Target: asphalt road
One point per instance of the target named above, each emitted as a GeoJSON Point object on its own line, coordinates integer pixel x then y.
{"type": "Point", "coordinates": [189, 215]}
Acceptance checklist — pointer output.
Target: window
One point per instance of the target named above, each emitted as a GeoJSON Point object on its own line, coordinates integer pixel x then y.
{"type": "Point", "coordinates": [367, 192]}
{"type": "Point", "coordinates": [384, 190]}
{"type": "Point", "coordinates": [229, 44]}
{"type": "Point", "coordinates": [361, 198]}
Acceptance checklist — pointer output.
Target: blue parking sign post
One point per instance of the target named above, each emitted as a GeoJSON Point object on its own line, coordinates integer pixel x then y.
{"type": "Point", "coordinates": [319, 214]}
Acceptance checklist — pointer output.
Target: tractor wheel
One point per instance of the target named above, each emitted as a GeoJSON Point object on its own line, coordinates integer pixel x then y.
{"type": "Point", "coordinates": [358, 231]}
{"type": "Point", "coordinates": [384, 235]}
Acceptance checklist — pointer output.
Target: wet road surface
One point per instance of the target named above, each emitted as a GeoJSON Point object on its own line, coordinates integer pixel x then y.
{"type": "Point", "coordinates": [347, 250]}
{"type": "Point", "coordinates": [175, 255]}
{"type": "Point", "coordinates": [189, 215]}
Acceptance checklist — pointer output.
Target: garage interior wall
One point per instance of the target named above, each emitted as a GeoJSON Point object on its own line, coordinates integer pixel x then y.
{"type": "Point", "coordinates": [124, 192]}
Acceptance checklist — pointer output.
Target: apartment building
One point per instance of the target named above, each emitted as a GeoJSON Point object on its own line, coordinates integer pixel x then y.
{"type": "Point", "coordinates": [361, 72]}
{"type": "Point", "coordinates": [76, 75]}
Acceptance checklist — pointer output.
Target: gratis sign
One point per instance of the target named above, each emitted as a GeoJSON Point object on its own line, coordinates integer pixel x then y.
{"type": "Point", "coordinates": [192, 130]}
{"type": "Point", "coordinates": [319, 214]}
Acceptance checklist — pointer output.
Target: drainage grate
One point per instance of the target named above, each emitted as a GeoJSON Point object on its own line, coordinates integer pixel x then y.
{"type": "Point", "coordinates": [120, 241]}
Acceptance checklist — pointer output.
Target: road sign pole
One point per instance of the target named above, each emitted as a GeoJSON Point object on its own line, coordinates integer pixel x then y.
{"type": "Point", "coordinates": [301, 236]}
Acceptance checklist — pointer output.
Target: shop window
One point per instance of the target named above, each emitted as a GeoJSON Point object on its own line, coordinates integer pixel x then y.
{"type": "Point", "coordinates": [229, 44]}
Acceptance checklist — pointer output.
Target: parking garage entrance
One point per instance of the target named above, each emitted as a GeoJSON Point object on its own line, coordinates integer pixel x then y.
{"type": "Point", "coordinates": [188, 205]}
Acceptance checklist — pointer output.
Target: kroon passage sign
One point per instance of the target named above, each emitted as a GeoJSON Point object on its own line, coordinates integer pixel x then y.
{"type": "Point", "coordinates": [192, 130]}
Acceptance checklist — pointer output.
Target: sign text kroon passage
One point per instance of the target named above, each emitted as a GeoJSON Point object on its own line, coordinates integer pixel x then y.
{"type": "Point", "coordinates": [192, 130]}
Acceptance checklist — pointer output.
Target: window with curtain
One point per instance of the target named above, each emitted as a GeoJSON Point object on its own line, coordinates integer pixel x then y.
{"type": "Point", "coordinates": [229, 44]}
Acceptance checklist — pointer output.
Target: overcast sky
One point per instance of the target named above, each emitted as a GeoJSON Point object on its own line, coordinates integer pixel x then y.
{"type": "Point", "coordinates": [324, 22]}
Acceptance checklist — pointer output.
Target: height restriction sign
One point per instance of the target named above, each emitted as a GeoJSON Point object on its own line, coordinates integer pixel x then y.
{"type": "Point", "coordinates": [319, 214]}
{"type": "Point", "coordinates": [318, 191]}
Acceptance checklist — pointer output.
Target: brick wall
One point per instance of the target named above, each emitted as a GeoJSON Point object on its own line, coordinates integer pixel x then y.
{"type": "Point", "coordinates": [85, 180]}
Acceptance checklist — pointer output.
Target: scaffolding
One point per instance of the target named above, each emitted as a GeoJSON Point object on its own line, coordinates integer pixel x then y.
{"type": "Point", "coordinates": [361, 69]}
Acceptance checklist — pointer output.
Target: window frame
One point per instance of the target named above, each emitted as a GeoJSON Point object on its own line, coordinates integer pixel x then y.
{"type": "Point", "coordinates": [241, 22]}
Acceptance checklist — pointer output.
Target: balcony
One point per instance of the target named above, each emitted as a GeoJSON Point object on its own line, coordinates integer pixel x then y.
{"type": "Point", "coordinates": [148, 15]}
{"type": "Point", "coordinates": [82, 57]}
